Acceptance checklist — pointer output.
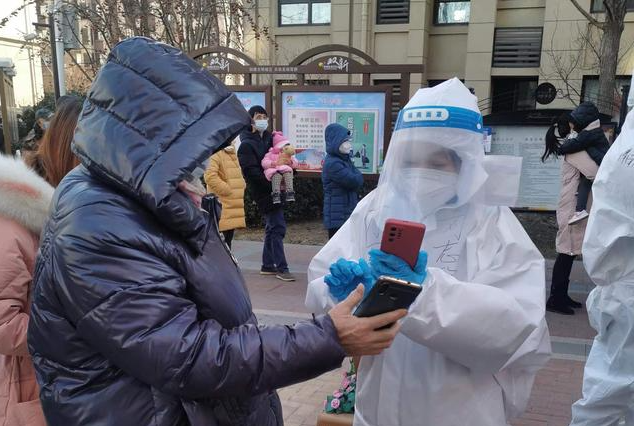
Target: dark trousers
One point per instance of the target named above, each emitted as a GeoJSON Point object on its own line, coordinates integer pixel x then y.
{"type": "Point", "coordinates": [332, 232]}
{"type": "Point", "coordinates": [228, 236]}
{"type": "Point", "coordinates": [273, 256]}
{"type": "Point", "coordinates": [561, 277]}
{"type": "Point", "coordinates": [583, 193]}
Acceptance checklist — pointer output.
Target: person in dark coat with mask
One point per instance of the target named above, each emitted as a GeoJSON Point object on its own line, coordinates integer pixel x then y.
{"type": "Point", "coordinates": [340, 178]}
{"type": "Point", "coordinates": [255, 142]}
{"type": "Point", "coordinates": [139, 314]}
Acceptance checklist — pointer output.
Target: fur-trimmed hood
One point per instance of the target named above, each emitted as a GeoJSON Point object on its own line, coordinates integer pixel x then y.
{"type": "Point", "coordinates": [24, 196]}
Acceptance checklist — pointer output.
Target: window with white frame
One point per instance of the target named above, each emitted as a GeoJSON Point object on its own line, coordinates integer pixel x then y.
{"type": "Point", "coordinates": [303, 12]}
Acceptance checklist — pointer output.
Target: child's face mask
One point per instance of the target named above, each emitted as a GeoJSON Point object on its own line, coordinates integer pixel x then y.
{"type": "Point", "coordinates": [345, 147]}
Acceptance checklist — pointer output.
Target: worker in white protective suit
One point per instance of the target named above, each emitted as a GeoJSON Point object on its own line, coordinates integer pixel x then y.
{"type": "Point", "coordinates": [608, 253]}
{"type": "Point", "coordinates": [473, 340]}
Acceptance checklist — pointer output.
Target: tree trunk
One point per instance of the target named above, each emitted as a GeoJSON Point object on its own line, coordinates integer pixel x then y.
{"type": "Point", "coordinates": [609, 53]}
{"type": "Point", "coordinates": [608, 61]}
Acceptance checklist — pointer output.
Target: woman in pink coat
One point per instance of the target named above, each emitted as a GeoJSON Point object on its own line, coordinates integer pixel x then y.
{"type": "Point", "coordinates": [24, 202]}
{"type": "Point", "coordinates": [278, 165]}
{"type": "Point", "coordinates": [569, 236]}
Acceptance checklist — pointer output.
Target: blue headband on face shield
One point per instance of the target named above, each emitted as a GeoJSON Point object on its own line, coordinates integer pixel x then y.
{"type": "Point", "coordinates": [439, 116]}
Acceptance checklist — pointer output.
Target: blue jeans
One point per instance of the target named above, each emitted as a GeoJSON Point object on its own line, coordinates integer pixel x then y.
{"type": "Point", "coordinates": [273, 256]}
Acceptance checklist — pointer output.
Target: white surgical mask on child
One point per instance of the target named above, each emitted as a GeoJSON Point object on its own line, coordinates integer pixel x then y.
{"type": "Point", "coordinates": [261, 125]}
{"type": "Point", "coordinates": [345, 147]}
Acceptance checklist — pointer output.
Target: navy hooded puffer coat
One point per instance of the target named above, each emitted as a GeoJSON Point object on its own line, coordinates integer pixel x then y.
{"type": "Point", "coordinates": [340, 178]}
{"type": "Point", "coordinates": [140, 316]}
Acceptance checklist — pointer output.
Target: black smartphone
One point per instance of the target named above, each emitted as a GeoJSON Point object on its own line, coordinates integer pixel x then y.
{"type": "Point", "coordinates": [387, 295]}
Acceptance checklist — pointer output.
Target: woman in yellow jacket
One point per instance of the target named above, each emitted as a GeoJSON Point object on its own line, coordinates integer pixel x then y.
{"type": "Point", "coordinates": [224, 178]}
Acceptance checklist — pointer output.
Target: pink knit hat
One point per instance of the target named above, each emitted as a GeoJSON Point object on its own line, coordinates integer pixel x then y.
{"type": "Point", "coordinates": [279, 140]}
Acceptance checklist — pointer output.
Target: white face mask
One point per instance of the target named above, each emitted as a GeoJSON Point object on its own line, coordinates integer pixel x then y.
{"type": "Point", "coordinates": [345, 148]}
{"type": "Point", "coordinates": [429, 188]}
{"type": "Point", "coordinates": [261, 125]}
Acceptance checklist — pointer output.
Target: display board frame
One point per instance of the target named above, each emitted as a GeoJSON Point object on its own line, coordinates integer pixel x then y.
{"type": "Point", "coordinates": [381, 89]}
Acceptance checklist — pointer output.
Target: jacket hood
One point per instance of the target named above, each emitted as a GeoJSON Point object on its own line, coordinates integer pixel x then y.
{"type": "Point", "coordinates": [584, 115]}
{"type": "Point", "coordinates": [279, 140]}
{"type": "Point", "coordinates": [150, 118]}
{"type": "Point", "coordinates": [24, 196]}
{"type": "Point", "coordinates": [335, 135]}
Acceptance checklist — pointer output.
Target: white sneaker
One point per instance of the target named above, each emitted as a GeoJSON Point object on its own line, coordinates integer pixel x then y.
{"type": "Point", "coordinates": [578, 216]}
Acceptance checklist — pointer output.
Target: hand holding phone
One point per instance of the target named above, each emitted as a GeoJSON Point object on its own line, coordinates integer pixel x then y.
{"type": "Point", "coordinates": [401, 266]}
{"type": "Point", "coordinates": [403, 239]}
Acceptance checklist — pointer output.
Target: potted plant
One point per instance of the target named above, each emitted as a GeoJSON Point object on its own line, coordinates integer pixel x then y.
{"type": "Point", "coordinates": [339, 407]}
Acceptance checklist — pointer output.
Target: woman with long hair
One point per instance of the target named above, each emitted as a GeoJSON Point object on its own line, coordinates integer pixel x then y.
{"type": "Point", "coordinates": [569, 236]}
{"type": "Point", "coordinates": [24, 201]}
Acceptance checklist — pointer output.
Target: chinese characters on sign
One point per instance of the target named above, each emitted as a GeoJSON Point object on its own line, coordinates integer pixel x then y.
{"type": "Point", "coordinates": [305, 116]}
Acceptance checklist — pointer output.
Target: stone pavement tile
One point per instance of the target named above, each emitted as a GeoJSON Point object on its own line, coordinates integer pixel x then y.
{"type": "Point", "coordinates": [267, 292]}
{"type": "Point", "coordinates": [576, 326]}
{"type": "Point", "coordinates": [556, 387]}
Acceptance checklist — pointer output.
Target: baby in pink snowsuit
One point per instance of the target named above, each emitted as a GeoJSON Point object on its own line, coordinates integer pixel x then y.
{"type": "Point", "coordinates": [278, 165]}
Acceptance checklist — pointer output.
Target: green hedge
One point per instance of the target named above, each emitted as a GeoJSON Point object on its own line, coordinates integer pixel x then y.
{"type": "Point", "coordinates": [309, 196]}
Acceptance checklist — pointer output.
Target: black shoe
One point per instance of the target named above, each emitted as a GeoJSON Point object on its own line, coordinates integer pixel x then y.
{"type": "Point", "coordinates": [573, 303]}
{"type": "Point", "coordinates": [277, 198]}
{"type": "Point", "coordinates": [290, 196]}
{"type": "Point", "coordinates": [559, 308]}
{"type": "Point", "coordinates": [268, 271]}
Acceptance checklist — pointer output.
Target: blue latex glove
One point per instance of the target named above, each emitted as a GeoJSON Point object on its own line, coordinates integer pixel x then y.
{"type": "Point", "coordinates": [395, 267]}
{"type": "Point", "coordinates": [346, 275]}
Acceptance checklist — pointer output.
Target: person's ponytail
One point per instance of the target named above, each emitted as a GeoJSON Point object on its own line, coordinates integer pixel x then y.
{"type": "Point", "coordinates": [552, 143]}
{"type": "Point", "coordinates": [558, 130]}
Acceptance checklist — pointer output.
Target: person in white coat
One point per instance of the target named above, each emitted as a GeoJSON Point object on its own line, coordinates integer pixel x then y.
{"type": "Point", "coordinates": [608, 249]}
{"type": "Point", "coordinates": [473, 340]}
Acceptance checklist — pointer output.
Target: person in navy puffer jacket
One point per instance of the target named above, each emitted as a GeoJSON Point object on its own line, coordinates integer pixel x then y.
{"type": "Point", "coordinates": [341, 179]}
{"type": "Point", "coordinates": [140, 316]}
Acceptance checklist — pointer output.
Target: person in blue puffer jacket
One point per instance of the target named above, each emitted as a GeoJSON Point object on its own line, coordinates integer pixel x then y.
{"type": "Point", "coordinates": [341, 179]}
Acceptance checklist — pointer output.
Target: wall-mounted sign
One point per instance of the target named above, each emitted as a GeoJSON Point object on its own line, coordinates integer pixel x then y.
{"type": "Point", "coordinates": [545, 93]}
{"type": "Point", "coordinates": [334, 63]}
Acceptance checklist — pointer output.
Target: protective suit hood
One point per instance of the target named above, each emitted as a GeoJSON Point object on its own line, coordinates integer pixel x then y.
{"type": "Point", "coordinates": [443, 121]}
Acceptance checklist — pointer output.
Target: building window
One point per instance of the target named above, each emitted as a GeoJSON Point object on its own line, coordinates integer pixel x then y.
{"type": "Point", "coordinates": [513, 94]}
{"type": "Point", "coordinates": [517, 47]}
{"type": "Point", "coordinates": [597, 6]}
{"type": "Point", "coordinates": [590, 91]}
{"type": "Point", "coordinates": [392, 12]}
{"type": "Point", "coordinates": [306, 12]}
{"type": "Point", "coordinates": [451, 12]}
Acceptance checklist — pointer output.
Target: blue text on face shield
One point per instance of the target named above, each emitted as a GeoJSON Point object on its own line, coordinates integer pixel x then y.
{"type": "Point", "coordinates": [439, 116]}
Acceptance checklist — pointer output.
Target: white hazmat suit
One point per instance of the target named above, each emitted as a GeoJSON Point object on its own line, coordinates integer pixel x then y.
{"type": "Point", "coordinates": [473, 340]}
{"type": "Point", "coordinates": [608, 253]}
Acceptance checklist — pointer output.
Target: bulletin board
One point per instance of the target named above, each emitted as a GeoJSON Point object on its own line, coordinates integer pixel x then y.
{"type": "Point", "coordinates": [304, 112]}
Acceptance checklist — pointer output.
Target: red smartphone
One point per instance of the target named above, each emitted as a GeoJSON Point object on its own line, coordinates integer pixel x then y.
{"type": "Point", "coordinates": [403, 239]}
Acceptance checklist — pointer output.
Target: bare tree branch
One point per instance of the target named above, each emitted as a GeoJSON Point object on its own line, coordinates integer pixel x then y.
{"type": "Point", "coordinates": [587, 15]}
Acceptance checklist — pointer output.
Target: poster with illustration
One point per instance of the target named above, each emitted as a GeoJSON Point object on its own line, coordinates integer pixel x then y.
{"type": "Point", "coordinates": [362, 127]}
{"type": "Point", "coordinates": [305, 115]}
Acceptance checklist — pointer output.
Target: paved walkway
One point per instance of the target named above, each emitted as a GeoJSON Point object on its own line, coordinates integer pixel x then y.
{"type": "Point", "coordinates": [556, 387]}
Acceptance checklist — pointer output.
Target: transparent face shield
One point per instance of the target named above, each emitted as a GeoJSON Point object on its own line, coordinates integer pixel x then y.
{"type": "Point", "coordinates": [435, 158]}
